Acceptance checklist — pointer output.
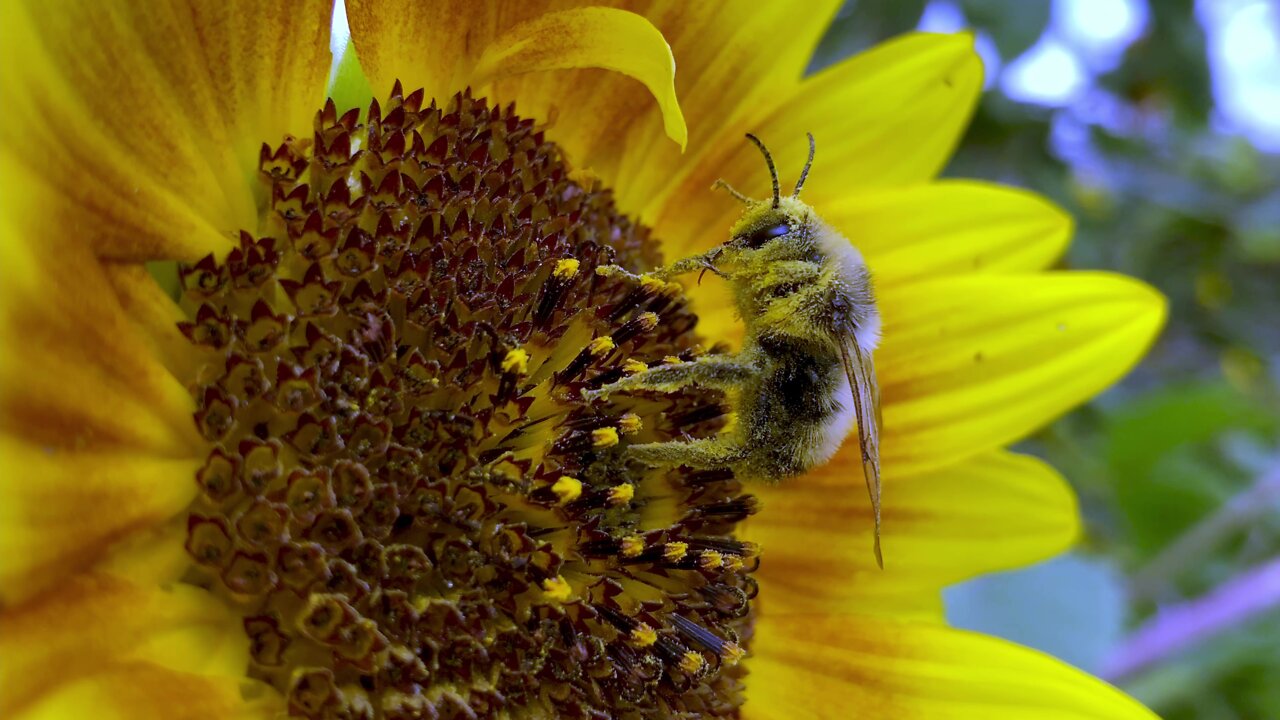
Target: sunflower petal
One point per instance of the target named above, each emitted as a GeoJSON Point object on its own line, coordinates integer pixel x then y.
{"type": "Point", "coordinates": [590, 37]}
{"type": "Point", "coordinates": [156, 315]}
{"type": "Point", "coordinates": [969, 364]}
{"type": "Point", "coordinates": [821, 666]}
{"type": "Point", "coordinates": [991, 512]}
{"type": "Point", "coordinates": [141, 691]}
{"type": "Point", "coordinates": [951, 227]}
{"type": "Point", "coordinates": [62, 511]}
{"type": "Point", "coordinates": [145, 119]}
{"type": "Point", "coordinates": [90, 622]}
{"type": "Point", "coordinates": [722, 75]}
{"type": "Point", "coordinates": [884, 118]}
{"type": "Point", "coordinates": [75, 372]}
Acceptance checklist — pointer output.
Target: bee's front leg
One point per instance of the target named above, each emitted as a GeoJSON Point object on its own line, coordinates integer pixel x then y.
{"type": "Point", "coordinates": [719, 372]}
{"type": "Point", "coordinates": [703, 262]}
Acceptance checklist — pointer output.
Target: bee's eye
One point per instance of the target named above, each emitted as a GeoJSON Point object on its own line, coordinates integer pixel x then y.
{"type": "Point", "coordinates": [764, 235]}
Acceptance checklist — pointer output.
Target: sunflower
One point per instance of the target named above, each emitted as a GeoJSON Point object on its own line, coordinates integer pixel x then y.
{"type": "Point", "coordinates": [340, 465]}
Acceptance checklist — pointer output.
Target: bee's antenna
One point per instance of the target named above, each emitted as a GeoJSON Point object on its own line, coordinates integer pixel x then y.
{"type": "Point", "coordinates": [722, 185]}
{"type": "Point", "coordinates": [773, 171]}
{"type": "Point", "coordinates": [804, 174]}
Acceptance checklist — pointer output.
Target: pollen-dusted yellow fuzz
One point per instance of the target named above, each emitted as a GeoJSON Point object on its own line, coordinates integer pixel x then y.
{"type": "Point", "coordinates": [557, 588]}
{"type": "Point", "coordinates": [621, 494]}
{"type": "Point", "coordinates": [516, 361]}
{"type": "Point", "coordinates": [567, 489]}
{"type": "Point", "coordinates": [567, 268]}
{"type": "Point", "coordinates": [605, 437]}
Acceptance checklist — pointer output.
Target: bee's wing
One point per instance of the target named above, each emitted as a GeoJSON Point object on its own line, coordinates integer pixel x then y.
{"type": "Point", "coordinates": [861, 370]}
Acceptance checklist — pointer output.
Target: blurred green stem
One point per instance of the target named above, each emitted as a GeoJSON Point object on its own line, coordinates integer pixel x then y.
{"type": "Point", "coordinates": [1155, 579]}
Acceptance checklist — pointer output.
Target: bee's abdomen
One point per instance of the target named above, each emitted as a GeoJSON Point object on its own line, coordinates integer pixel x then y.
{"type": "Point", "coordinates": [798, 399]}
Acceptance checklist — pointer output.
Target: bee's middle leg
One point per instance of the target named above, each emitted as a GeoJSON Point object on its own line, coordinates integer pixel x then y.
{"type": "Point", "coordinates": [703, 454]}
{"type": "Point", "coordinates": [719, 372]}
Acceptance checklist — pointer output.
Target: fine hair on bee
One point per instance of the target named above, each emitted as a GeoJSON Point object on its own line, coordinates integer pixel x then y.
{"type": "Point", "coordinates": [805, 377]}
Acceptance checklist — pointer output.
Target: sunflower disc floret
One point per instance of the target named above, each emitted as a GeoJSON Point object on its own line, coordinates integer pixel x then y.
{"type": "Point", "coordinates": [406, 498]}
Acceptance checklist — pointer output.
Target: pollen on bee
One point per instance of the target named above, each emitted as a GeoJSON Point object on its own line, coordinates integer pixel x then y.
{"type": "Point", "coordinates": [604, 437]}
{"type": "Point", "coordinates": [643, 635]}
{"type": "Point", "coordinates": [566, 269]}
{"type": "Point", "coordinates": [621, 494]}
{"type": "Point", "coordinates": [567, 489]}
{"type": "Point", "coordinates": [557, 588]}
{"type": "Point", "coordinates": [516, 362]}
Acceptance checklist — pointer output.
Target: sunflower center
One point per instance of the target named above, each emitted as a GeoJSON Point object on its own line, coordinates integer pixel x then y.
{"type": "Point", "coordinates": [406, 497]}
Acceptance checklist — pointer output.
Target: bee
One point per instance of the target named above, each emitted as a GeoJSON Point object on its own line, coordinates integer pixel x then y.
{"type": "Point", "coordinates": [805, 376]}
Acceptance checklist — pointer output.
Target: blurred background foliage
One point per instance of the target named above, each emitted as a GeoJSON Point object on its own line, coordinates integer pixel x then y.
{"type": "Point", "coordinates": [1156, 123]}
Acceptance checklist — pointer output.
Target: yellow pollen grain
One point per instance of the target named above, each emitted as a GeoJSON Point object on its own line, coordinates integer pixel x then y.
{"type": "Point", "coordinates": [630, 424]}
{"type": "Point", "coordinates": [633, 366]}
{"type": "Point", "coordinates": [733, 562]}
{"type": "Point", "coordinates": [732, 653]}
{"type": "Point", "coordinates": [674, 551]}
{"type": "Point", "coordinates": [632, 546]}
{"type": "Point", "coordinates": [566, 269]}
{"type": "Point", "coordinates": [601, 345]}
{"type": "Point", "coordinates": [621, 494]}
{"type": "Point", "coordinates": [691, 662]}
{"type": "Point", "coordinates": [567, 489]}
{"type": "Point", "coordinates": [648, 320]}
{"type": "Point", "coordinates": [557, 588]}
{"type": "Point", "coordinates": [516, 361]}
{"type": "Point", "coordinates": [643, 636]}
{"type": "Point", "coordinates": [672, 360]}
{"type": "Point", "coordinates": [710, 560]}
{"type": "Point", "coordinates": [604, 437]}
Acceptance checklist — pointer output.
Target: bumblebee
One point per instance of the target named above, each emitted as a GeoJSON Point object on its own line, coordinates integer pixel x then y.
{"type": "Point", "coordinates": [805, 376]}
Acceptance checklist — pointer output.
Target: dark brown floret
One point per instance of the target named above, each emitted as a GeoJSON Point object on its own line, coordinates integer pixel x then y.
{"type": "Point", "coordinates": [406, 497]}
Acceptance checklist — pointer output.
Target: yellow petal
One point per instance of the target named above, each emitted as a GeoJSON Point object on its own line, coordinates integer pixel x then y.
{"type": "Point", "coordinates": [721, 77]}
{"type": "Point", "coordinates": [950, 227]}
{"type": "Point", "coordinates": [90, 622]}
{"type": "Point", "coordinates": [991, 512]}
{"type": "Point", "coordinates": [75, 373]}
{"type": "Point", "coordinates": [144, 120]}
{"type": "Point", "coordinates": [968, 364]}
{"type": "Point", "coordinates": [62, 511]}
{"type": "Point", "coordinates": [591, 37]}
{"type": "Point", "coordinates": [887, 117]}
{"type": "Point", "coordinates": [828, 666]}
{"type": "Point", "coordinates": [141, 691]}
{"type": "Point", "coordinates": [156, 316]}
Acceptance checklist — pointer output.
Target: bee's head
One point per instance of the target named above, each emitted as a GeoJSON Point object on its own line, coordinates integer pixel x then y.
{"type": "Point", "coordinates": [778, 228]}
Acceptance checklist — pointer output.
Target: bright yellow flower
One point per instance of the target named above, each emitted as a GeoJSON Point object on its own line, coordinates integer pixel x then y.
{"type": "Point", "coordinates": [494, 558]}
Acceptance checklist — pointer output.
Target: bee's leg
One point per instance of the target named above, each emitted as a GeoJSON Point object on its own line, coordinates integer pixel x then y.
{"type": "Point", "coordinates": [720, 372]}
{"type": "Point", "coordinates": [703, 454]}
{"type": "Point", "coordinates": [675, 269]}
